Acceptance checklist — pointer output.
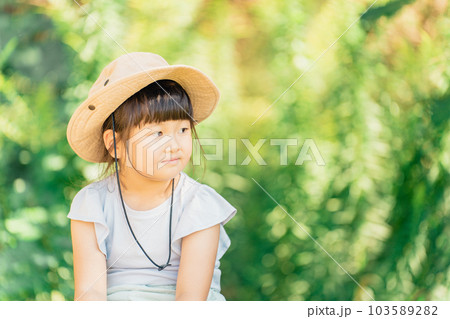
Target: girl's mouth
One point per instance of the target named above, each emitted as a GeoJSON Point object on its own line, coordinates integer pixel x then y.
{"type": "Point", "coordinates": [175, 160]}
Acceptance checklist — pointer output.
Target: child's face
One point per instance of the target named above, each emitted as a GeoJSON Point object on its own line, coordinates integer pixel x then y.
{"type": "Point", "coordinates": [160, 150]}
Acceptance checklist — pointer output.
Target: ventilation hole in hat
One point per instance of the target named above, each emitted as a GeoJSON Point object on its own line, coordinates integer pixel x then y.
{"type": "Point", "coordinates": [91, 107]}
{"type": "Point", "coordinates": [106, 82]}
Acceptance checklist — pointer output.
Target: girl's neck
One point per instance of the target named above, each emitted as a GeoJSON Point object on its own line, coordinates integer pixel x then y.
{"type": "Point", "coordinates": [142, 193]}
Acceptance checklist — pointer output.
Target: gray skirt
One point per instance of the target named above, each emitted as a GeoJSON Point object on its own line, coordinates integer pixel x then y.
{"type": "Point", "coordinates": [150, 292]}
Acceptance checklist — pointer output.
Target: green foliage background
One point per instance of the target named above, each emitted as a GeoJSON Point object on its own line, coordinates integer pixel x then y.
{"type": "Point", "coordinates": [376, 104]}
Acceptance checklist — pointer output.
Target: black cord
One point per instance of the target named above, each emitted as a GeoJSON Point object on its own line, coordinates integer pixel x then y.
{"type": "Point", "coordinates": [125, 211]}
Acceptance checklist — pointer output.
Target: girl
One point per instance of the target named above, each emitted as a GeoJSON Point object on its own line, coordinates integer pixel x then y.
{"type": "Point", "coordinates": [147, 231]}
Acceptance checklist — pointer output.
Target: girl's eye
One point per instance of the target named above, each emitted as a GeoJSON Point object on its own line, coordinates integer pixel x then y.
{"type": "Point", "coordinates": [185, 129]}
{"type": "Point", "coordinates": [157, 133]}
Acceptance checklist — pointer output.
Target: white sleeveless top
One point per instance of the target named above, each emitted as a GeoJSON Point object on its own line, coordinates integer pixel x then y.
{"type": "Point", "coordinates": [196, 206]}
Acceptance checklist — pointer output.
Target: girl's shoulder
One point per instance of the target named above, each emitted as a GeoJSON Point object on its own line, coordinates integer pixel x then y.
{"type": "Point", "coordinates": [202, 208]}
{"type": "Point", "coordinates": [102, 185]}
{"type": "Point", "coordinates": [94, 192]}
{"type": "Point", "coordinates": [202, 199]}
{"type": "Point", "coordinates": [200, 191]}
{"type": "Point", "coordinates": [88, 206]}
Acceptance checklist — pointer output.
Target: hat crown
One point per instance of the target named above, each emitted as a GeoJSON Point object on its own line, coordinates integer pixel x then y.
{"type": "Point", "coordinates": [125, 66]}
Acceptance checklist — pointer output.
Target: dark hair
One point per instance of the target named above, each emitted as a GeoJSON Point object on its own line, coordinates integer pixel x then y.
{"type": "Point", "coordinates": [160, 101]}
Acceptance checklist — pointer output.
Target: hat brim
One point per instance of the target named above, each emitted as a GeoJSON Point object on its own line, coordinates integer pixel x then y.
{"type": "Point", "coordinates": [84, 129]}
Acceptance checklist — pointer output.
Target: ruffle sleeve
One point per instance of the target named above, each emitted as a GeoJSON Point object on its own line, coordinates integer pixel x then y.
{"type": "Point", "coordinates": [205, 209]}
{"type": "Point", "coordinates": [87, 206]}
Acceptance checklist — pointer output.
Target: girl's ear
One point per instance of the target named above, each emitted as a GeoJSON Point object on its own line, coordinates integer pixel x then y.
{"type": "Point", "coordinates": [108, 139]}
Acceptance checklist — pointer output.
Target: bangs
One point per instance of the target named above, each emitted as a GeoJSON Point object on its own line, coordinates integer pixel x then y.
{"type": "Point", "coordinates": [163, 100]}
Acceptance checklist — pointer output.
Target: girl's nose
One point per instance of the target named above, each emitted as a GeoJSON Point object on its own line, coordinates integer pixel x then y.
{"type": "Point", "coordinates": [173, 146]}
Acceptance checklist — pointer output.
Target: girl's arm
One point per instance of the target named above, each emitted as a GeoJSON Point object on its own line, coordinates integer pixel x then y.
{"type": "Point", "coordinates": [198, 257]}
{"type": "Point", "coordinates": [89, 263]}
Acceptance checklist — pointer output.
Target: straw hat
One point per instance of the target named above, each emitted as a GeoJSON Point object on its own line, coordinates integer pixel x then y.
{"type": "Point", "coordinates": [122, 78]}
